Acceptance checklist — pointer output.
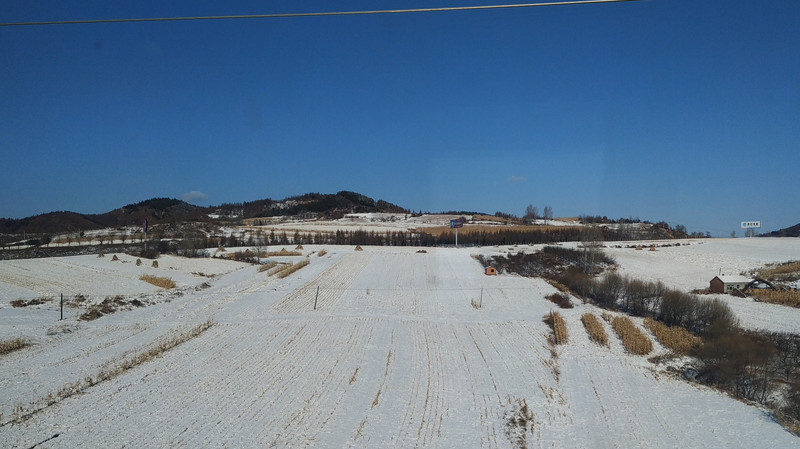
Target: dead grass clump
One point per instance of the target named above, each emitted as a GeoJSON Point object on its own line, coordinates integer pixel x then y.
{"type": "Point", "coordinates": [422, 251]}
{"type": "Point", "coordinates": [114, 258]}
{"type": "Point", "coordinates": [322, 253]}
{"type": "Point", "coordinates": [221, 249]}
{"type": "Point", "coordinates": [790, 298]}
{"type": "Point", "coordinates": [30, 302]}
{"type": "Point", "coordinates": [595, 329]}
{"type": "Point", "coordinates": [359, 248]}
{"type": "Point", "coordinates": [558, 325]}
{"type": "Point", "coordinates": [560, 299]}
{"type": "Point", "coordinates": [155, 264]}
{"type": "Point", "coordinates": [298, 247]}
{"type": "Point", "coordinates": [674, 338]}
{"type": "Point", "coordinates": [14, 344]}
{"type": "Point", "coordinates": [101, 254]}
{"type": "Point", "coordinates": [267, 266]}
{"type": "Point", "coordinates": [475, 303]}
{"type": "Point", "coordinates": [138, 262]}
{"type": "Point", "coordinates": [632, 338]}
{"type": "Point", "coordinates": [292, 268]}
{"type": "Point", "coordinates": [158, 281]}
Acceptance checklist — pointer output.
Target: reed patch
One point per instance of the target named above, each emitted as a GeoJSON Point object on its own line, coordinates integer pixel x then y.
{"type": "Point", "coordinates": [633, 339]}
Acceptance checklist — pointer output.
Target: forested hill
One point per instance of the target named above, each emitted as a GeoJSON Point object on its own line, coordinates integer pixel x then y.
{"type": "Point", "coordinates": [170, 210]}
{"type": "Point", "coordinates": [791, 231]}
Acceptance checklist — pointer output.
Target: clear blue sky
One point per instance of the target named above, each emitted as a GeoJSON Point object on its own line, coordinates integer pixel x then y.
{"type": "Point", "coordinates": [678, 110]}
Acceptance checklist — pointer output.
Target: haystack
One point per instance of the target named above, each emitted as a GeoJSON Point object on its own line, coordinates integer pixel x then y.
{"type": "Point", "coordinates": [652, 247]}
{"type": "Point", "coordinates": [298, 247]}
{"type": "Point", "coordinates": [114, 258]}
{"type": "Point", "coordinates": [138, 262]}
{"type": "Point", "coordinates": [155, 264]}
{"type": "Point", "coordinates": [101, 254]}
{"type": "Point", "coordinates": [359, 248]}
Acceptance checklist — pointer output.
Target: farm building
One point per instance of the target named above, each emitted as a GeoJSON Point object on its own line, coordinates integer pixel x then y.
{"type": "Point", "coordinates": [726, 283]}
{"type": "Point", "coordinates": [491, 271]}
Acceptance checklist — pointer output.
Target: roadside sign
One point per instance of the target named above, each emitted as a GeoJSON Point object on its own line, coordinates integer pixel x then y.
{"type": "Point", "coordinates": [751, 224]}
{"type": "Point", "coordinates": [456, 224]}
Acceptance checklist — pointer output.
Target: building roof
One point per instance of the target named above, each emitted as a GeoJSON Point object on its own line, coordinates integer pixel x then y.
{"type": "Point", "coordinates": [731, 279]}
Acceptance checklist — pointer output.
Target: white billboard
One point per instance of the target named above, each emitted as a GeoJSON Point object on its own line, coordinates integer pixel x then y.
{"type": "Point", "coordinates": [751, 224]}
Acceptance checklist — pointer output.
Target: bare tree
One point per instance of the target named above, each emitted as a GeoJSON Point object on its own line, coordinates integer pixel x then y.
{"type": "Point", "coordinates": [531, 213]}
{"type": "Point", "coordinates": [547, 214]}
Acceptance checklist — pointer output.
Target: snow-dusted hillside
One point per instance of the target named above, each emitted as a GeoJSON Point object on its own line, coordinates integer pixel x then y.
{"type": "Point", "coordinates": [394, 355]}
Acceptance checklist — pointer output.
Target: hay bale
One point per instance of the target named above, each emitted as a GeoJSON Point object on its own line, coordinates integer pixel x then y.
{"type": "Point", "coordinates": [138, 262]}
{"type": "Point", "coordinates": [155, 264]}
{"type": "Point", "coordinates": [359, 248]}
{"type": "Point", "coordinates": [638, 247]}
{"type": "Point", "coordinates": [298, 247]}
{"type": "Point", "coordinates": [101, 254]}
{"type": "Point", "coordinates": [652, 247]}
{"type": "Point", "coordinates": [114, 258]}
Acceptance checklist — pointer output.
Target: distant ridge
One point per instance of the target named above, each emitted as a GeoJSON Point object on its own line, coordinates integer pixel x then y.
{"type": "Point", "coordinates": [792, 231]}
{"type": "Point", "coordinates": [170, 210]}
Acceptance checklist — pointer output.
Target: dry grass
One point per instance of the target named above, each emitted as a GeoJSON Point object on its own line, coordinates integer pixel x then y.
{"type": "Point", "coordinates": [14, 344]}
{"type": "Point", "coordinates": [277, 268]}
{"type": "Point", "coordinates": [595, 329]}
{"type": "Point", "coordinates": [322, 253]}
{"type": "Point", "coordinates": [677, 339]}
{"type": "Point", "coordinates": [559, 326]}
{"type": "Point", "coordinates": [782, 297]}
{"type": "Point", "coordinates": [292, 268]}
{"type": "Point", "coordinates": [633, 339]}
{"type": "Point", "coordinates": [787, 271]}
{"type": "Point", "coordinates": [158, 281]}
{"type": "Point", "coordinates": [267, 266]}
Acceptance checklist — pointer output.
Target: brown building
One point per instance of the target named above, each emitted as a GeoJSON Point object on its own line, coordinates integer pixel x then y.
{"type": "Point", "coordinates": [726, 284]}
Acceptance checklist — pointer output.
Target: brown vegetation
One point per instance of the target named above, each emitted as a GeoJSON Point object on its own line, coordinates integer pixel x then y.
{"type": "Point", "coordinates": [786, 272]}
{"type": "Point", "coordinates": [595, 329]}
{"type": "Point", "coordinates": [558, 325]}
{"type": "Point", "coordinates": [30, 302]}
{"type": "Point", "coordinates": [322, 252]}
{"type": "Point", "coordinates": [632, 338]}
{"type": "Point", "coordinates": [158, 281]}
{"type": "Point", "coordinates": [292, 268]}
{"type": "Point", "coordinates": [11, 345]}
{"type": "Point", "coordinates": [267, 266]}
{"type": "Point", "coordinates": [560, 299]}
{"type": "Point", "coordinates": [789, 298]}
{"type": "Point", "coordinates": [677, 339]}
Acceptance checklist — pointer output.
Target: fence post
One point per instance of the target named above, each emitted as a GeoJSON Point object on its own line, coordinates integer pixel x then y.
{"type": "Point", "coordinates": [480, 306]}
{"type": "Point", "coordinates": [316, 298]}
{"type": "Point", "coordinates": [62, 307]}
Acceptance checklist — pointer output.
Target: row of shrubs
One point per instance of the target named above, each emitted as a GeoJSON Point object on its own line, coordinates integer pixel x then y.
{"type": "Point", "coordinates": [650, 299]}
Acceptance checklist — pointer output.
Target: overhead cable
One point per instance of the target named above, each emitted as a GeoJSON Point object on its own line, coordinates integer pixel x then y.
{"type": "Point", "coordinates": [307, 14]}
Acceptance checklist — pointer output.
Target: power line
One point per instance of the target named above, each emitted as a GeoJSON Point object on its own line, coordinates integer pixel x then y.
{"type": "Point", "coordinates": [309, 14]}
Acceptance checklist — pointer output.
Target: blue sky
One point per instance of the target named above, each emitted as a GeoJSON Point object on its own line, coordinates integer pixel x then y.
{"type": "Point", "coordinates": [678, 110]}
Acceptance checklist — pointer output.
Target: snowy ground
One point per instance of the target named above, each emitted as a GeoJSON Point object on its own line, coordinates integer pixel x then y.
{"type": "Point", "coordinates": [395, 355]}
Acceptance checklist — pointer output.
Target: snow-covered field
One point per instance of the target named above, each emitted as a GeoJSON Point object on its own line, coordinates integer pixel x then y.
{"type": "Point", "coordinates": [394, 355]}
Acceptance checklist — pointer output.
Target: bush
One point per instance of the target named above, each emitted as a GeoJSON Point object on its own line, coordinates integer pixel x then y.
{"type": "Point", "coordinates": [607, 291]}
{"type": "Point", "coordinates": [738, 362]}
{"type": "Point", "coordinates": [560, 299]}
